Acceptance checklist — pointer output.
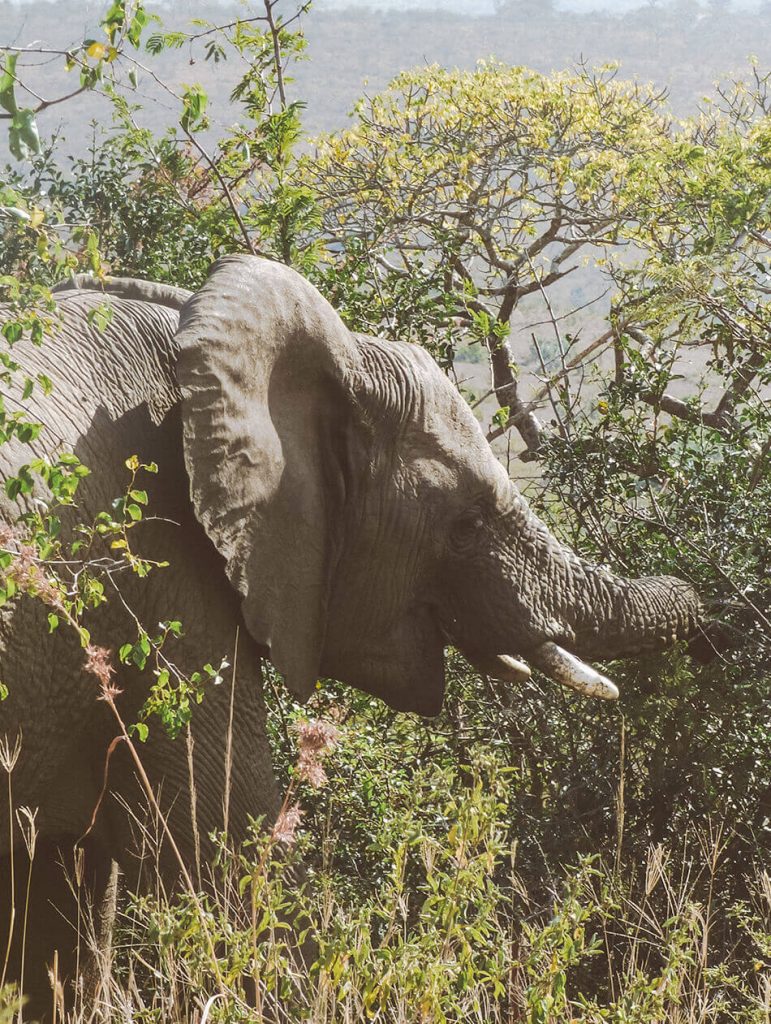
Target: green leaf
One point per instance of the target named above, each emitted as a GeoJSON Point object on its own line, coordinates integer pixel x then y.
{"type": "Point", "coordinates": [12, 331]}
{"type": "Point", "coordinates": [27, 432]}
{"type": "Point", "coordinates": [140, 730]}
{"type": "Point", "coordinates": [138, 656]}
{"type": "Point", "coordinates": [115, 15]}
{"type": "Point", "coordinates": [155, 44]}
{"type": "Point", "coordinates": [13, 487]}
{"type": "Point", "coordinates": [138, 23]}
{"type": "Point", "coordinates": [23, 137]}
{"type": "Point", "coordinates": [8, 83]}
{"type": "Point", "coordinates": [194, 101]}
{"type": "Point", "coordinates": [101, 316]}
{"type": "Point", "coordinates": [501, 417]}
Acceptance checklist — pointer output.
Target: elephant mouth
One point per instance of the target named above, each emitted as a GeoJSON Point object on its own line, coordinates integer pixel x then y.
{"type": "Point", "coordinates": [555, 662]}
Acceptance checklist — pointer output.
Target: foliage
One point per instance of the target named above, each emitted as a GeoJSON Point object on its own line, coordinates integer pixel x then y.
{"type": "Point", "coordinates": [665, 467]}
{"type": "Point", "coordinates": [441, 213]}
{"type": "Point", "coordinates": [458, 195]}
{"type": "Point", "coordinates": [445, 930]}
{"type": "Point", "coordinates": [122, 26]}
{"type": "Point", "coordinates": [9, 1004]}
{"type": "Point", "coordinates": [165, 207]}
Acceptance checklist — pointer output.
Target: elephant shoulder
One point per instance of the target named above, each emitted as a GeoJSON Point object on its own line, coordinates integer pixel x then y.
{"type": "Point", "coordinates": [127, 350]}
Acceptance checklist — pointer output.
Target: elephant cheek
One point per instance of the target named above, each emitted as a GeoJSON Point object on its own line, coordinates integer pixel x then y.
{"type": "Point", "coordinates": [405, 668]}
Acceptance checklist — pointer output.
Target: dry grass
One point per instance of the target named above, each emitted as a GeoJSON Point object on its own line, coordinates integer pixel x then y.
{"type": "Point", "coordinates": [450, 934]}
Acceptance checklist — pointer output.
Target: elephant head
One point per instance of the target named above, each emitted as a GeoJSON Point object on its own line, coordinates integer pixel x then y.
{"type": "Point", "coordinates": [363, 517]}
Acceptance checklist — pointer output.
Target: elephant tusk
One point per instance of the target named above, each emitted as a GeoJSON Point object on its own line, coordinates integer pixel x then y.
{"type": "Point", "coordinates": [509, 670]}
{"type": "Point", "coordinates": [500, 666]}
{"type": "Point", "coordinates": [565, 668]}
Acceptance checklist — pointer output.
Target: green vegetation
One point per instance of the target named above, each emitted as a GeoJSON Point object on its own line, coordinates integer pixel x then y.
{"type": "Point", "coordinates": [526, 856]}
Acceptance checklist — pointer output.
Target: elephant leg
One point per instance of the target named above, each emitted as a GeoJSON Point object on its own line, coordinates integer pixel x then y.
{"type": "Point", "coordinates": [215, 776]}
{"type": "Point", "coordinates": [51, 936]}
{"type": "Point", "coordinates": [96, 975]}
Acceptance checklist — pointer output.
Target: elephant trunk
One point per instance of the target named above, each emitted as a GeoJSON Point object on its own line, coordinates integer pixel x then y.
{"type": "Point", "coordinates": [567, 609]}
{"type": "Point", "coordinates": [606, 616]}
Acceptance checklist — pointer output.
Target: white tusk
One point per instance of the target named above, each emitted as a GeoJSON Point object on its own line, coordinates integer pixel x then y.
{"type": "Point", "coordinates": [501, 666]}
{"type": "Point", "coordinates": [509, 670]}
{"type": "Point", "coordinates": [565, 668]}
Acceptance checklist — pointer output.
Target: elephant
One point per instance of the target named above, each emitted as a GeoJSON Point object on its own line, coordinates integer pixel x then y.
{"type": "Point", "coordinates": [326, 497]}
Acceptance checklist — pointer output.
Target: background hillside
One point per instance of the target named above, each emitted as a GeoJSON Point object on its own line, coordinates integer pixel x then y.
{"type": "Point", "coordinates": [682, 47]}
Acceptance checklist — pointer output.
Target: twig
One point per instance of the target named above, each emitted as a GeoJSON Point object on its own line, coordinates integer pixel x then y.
{"type": "Point", "coordinates": [226, 190]}
{"type": "Point", "coordinates": [548, 386]}
{"type": "Point", "coordinates": [274, 33]}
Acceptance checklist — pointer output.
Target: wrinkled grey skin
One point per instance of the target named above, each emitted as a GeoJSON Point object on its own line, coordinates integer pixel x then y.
{"type": "Point", "coordinates": [331, 495]}
{"type": "Point", "coordinates": [115, 395]}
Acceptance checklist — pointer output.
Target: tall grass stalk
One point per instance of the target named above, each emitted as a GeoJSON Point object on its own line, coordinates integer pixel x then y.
{"type": "Point", "coordinates": [9, 755]}
{"type": "Point", "coordinates": [26, 820]}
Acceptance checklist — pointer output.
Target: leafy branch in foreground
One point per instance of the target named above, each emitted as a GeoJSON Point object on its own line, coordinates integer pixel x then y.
{"type": "Point", "coordinates": [449, 931]}
{"type": "Point", "coordinates": [52, 229]}
{"type": "Point", "coordinates": [183, 195]}
{"type": "Point", "coordinates": [122, 25]}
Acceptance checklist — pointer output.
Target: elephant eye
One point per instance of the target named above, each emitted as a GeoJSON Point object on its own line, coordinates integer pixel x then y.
{"type": "Point", "coordinates": [467, 528]}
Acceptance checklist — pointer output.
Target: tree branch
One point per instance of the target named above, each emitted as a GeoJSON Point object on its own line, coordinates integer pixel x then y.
{"type": "Point", "coordinates": [226, 190]}
{"type": "Point", "coordinates": [721, 417]}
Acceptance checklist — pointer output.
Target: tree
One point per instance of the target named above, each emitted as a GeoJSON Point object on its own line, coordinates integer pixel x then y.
{"type": "Point", "coordinates": [458, 195]}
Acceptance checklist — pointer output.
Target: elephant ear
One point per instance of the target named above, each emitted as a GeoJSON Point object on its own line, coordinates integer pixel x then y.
{"type": "Point", "coordinates": [263, 361]}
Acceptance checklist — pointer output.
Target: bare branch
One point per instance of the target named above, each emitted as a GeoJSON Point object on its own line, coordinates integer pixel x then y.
{"type": "Point", "coordinates": [274, 34]}
{"type": "Point", "coordinates": [721, 417]}
{"type": "Point", "coordinates": [573, 364]}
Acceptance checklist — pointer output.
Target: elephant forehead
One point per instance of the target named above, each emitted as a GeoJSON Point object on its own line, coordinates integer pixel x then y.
{"type": "Point", "coordinates": [432, 462]}
{"type": "Point", "coordinates": [439, 439]}
{"type": "Point", "coordinates": [455, 436]}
